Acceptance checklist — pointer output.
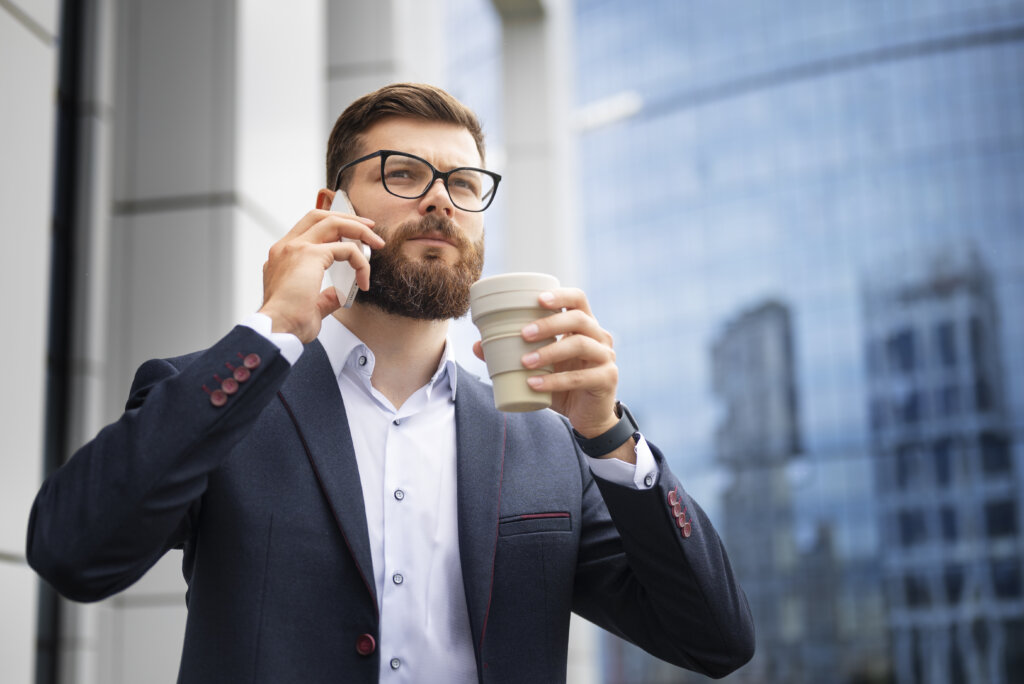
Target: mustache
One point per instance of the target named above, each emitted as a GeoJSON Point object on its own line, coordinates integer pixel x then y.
{"type": "Point", "coordinates": [430, 225]}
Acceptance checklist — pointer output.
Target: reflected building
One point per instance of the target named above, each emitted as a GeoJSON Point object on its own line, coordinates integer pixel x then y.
{"type": "Point", "coordinates": [946, 477]}
{"type": "Point", "coordinates": [753, 377]}
{"type": "Point", "coordinates": [732, 153]}
{"type": "Point", "coordinates": [799, 592]}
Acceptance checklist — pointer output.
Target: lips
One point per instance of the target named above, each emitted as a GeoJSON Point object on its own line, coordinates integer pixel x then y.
{"type": "Point", "coordinates": [433, 239]}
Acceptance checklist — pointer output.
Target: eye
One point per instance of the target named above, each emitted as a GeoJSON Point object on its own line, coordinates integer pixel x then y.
{"type": "Point", "coordinates": [401, 170]}
{"type": "Point", "coordinates": [465, 181]}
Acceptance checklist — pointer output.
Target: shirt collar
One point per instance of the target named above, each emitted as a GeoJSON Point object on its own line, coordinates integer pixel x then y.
{"type": "Point", "coordinates": [344, 349]}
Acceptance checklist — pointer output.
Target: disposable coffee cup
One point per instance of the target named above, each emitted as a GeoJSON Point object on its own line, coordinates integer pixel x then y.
{"type": "Point", "coordinates": [502, 306]}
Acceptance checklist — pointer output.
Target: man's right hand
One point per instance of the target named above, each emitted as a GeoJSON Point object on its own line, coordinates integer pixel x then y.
{"type": "Point", "coordinates": [294, 271]}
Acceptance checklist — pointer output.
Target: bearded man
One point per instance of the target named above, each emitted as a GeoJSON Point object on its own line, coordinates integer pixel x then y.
{"type": "Point", "coordinates": [351, 506]}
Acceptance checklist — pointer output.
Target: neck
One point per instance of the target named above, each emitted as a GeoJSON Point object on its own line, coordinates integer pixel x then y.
{"type": "Point", "coordinates": [406, 350]}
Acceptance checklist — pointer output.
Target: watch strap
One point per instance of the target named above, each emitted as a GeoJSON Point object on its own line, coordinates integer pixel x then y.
{"type": "Point", "coordinates": [613, 438]}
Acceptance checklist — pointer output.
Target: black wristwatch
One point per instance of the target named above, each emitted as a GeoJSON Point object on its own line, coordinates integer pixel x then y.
{"type": "Point", "coordinates": [611, 440]}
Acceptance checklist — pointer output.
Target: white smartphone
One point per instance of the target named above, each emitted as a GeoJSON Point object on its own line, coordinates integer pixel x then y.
{"type": "Point", "coordinates": [342, 275]}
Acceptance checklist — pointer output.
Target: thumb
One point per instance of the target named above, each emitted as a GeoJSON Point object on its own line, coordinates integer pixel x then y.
{"type": "Point", "coordinates": [327, 303]}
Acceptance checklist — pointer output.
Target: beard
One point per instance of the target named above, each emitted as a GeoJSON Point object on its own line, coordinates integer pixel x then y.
{"type": "Point", "coordinates": [426, 288]}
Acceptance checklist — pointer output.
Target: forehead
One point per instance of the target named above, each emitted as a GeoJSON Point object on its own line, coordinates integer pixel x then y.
{"type": "Point", "coordinates": [444, 145]}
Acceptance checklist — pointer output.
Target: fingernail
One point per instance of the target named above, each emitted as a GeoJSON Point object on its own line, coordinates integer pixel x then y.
{"type": "Point", "coordinates": [535, 382]}
{"type": "Point", "coordinates": [531, 359]}
{"type": "Point", "coordinates": [530, 330]}
{"type": "Point", "coordinates": [547, 297]}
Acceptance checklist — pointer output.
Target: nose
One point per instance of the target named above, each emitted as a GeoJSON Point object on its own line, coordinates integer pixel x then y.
{"type": "Point", "coordinates": [437, 199]}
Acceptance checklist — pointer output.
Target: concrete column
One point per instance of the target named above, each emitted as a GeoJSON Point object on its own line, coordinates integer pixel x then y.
{"type": "Point", "coordinates": [204, 146]}
{"type": "Point", "coordinates": [28, 70]}
{"type": "Point", "coordinates": [540, 195]}
{"type": "Point", "coordinates": [371, 44]}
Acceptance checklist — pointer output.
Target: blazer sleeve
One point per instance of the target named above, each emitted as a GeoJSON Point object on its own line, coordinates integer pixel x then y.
{"type": "Point", "coordinates": [104, 518]}
{"type": "Point", "coordinates": [653, 570]}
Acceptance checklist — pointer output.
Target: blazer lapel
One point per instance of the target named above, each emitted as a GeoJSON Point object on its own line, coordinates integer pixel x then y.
{"type": "Point", "coordinates": [480, 435]}
{"type": "Point", "coordinates": [311, 397]}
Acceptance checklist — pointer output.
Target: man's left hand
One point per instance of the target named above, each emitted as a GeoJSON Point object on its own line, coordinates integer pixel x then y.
{"type": "Point", "coordinates": [585, 377]}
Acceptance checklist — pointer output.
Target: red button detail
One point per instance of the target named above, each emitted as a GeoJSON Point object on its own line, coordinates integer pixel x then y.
{"type": "Point", "coordinates": [365, 644]}
{"type": "Point", "coordinates": [251, 361]}
{"type": "Point", "coordinates": [230, 385]}
{"type": "Point", "coordinates": [241, 374]}
{"type": "Point", "coordinates": [673, 498]}
{"type": "Point", "coordinates": [677, 509]}
{"type": "Point", "coordinates": [685, 528]}
{"type": "Point", "coordinates": [218, 398]}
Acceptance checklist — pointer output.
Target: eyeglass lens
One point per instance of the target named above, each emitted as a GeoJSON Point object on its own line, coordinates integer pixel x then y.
{"type": "Point", "coordinates": [408, 177]}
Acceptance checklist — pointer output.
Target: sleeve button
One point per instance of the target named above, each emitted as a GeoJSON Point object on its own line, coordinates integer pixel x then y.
{"type": "Point", "coordinates": [252, 361]}
{"type": "Point", "coordinates": [218, 398]}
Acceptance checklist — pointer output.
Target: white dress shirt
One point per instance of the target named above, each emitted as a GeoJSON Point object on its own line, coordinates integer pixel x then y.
{"type": "Point", "coordinates": [406, 459]}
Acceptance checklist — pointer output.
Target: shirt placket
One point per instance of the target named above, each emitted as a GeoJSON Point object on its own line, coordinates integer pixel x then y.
{"type": "Point", "coordinates": [407, 516]}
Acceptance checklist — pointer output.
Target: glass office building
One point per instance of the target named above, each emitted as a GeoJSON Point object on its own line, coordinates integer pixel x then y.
{"type": "Point", "coordinates": [804, 224]}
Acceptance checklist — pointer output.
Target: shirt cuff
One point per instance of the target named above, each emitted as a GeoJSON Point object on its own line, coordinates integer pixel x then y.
{"type": "Point", "coordinates": [290, 345]}
{"type": "Point", "coordinates": [643, 475]}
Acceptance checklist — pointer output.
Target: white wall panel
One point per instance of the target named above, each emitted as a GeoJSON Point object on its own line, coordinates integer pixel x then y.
{"type": "Point", "coordinates": [176, 106]}
{"type": "Point", "coordinates": [173, 288]}
{"type": "Point", "coordinates": [17, 624]}
{"type": "Point", "coordinates": [280, 111]}
{"type": "Point", "coordinates": [27, 82]}
{"type": "Point", "coordinates": [253, 239]}
{"type": "Point", "coordinates": [44, 15]}
{"type": "Point", "coordinates": [148, 640]}
{"type": "Point", "coordinates": [372, 44]}
{"type": "Point", "coordinates": [360, 36]}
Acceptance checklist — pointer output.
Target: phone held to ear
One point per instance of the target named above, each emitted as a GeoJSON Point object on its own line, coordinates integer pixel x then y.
{"type": "Point", "coordinates": [342, 275]}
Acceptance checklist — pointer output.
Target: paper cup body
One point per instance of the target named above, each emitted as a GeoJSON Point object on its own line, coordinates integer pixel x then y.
{"type": "Point", "coordinates": [501, 306]}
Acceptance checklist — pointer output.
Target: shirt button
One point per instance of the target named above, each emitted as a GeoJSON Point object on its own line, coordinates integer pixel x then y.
{"type": "Point", "coordinates": [395, 663]}
{"type": "Point", "coordinates": [397, 578]}
{"type": "Point", "coordinates": [399, 494]}
{"type": "Point", "coordinates": [649, 480]}
{"type": "Point", "coordinates": [362, 360]}
{"type": "Point", "coordinates": [396, 421]}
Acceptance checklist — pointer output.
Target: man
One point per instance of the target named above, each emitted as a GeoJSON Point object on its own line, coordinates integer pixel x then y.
{"type": "Point", "coordinates": [351, 506]}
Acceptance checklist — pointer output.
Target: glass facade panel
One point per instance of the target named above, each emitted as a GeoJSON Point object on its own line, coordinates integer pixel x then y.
{"type": "Point", "coordinates": [809, 245]}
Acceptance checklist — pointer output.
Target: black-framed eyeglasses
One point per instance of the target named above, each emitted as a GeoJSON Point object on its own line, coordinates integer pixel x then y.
{"type": "Point", "coordinates": [410, 177]}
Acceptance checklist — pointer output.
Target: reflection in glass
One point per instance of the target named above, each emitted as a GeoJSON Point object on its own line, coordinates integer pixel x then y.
{"type": "Point", "coordinates": [841, 180]}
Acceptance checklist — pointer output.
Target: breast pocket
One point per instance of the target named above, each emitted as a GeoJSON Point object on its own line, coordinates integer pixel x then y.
{"type": "Point", "coordinates": [531, 523]}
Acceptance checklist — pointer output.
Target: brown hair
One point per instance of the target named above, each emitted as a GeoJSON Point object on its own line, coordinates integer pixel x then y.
{"type": "Point", "coordinates": [410, 100]}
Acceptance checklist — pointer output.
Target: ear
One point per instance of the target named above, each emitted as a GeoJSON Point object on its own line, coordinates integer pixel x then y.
{"type": "Point", "coordinates": [324, 198]}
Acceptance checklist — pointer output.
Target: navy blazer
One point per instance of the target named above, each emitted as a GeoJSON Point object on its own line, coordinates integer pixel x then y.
{"type": "Point", "coordinates": [259, 485]}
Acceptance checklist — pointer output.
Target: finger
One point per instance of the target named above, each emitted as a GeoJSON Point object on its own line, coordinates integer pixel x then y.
{"type": "Point", "coordinates": [328, 302]}
{"type": "Point", "coordinates": [599, 380]}
{"type": "Point", "coordinates": [334, 227]}
{"type": "Point", "coordinates": [572, 348]}
{"type": "Point", "coordinates": [350, 252]}
{"type": "Point", "coordinates": [565, 298]}
{"type": "Point", "coordinates": [569, 322]}
{"type": "Point", "coordinates": [313, 229]}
